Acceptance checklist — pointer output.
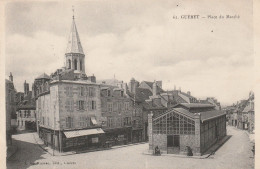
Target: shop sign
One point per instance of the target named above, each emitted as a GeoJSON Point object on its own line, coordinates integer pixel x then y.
{"type": "Point", "coordinates": [120, 137]}
{"type": "Point", "coordinates": [95, 140]}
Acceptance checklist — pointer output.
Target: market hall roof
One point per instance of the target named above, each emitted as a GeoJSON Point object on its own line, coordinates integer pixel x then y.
{"type": "Point", "coordinates": [74, 44]}
{"type": "Point", "coordinates": [207, 115]}
{"type": "Point", "coordinates": [195, 105]}
{"type": "Point", "coordinates": [204, 116]}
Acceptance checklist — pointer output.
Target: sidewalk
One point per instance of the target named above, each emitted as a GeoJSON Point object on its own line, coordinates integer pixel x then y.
{"type": "Point", "coordinates": [251, 137]}
{"type": "Point", "coordinates": [208, 153]}
{"type": "Point", "coordinates": [11, 150]}
{"type": "Point", "coordinates": [216, 146]}
{"type": "Point", "coordinates": [57, 153]}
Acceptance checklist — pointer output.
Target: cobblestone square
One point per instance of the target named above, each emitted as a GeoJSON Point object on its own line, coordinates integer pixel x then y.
{"type": "Point", "coordinates": [235, 153]}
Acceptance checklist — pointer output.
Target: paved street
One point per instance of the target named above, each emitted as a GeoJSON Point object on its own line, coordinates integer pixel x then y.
{"type": "Point", "coordinates": [235, 153]}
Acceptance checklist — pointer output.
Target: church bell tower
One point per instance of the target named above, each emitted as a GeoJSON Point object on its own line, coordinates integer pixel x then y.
{"type": "Point", "coordinates": [75, 57]}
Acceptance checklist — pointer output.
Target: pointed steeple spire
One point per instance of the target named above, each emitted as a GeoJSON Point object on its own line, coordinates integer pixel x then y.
{"type": "Point", "coordinates": [74, 44]}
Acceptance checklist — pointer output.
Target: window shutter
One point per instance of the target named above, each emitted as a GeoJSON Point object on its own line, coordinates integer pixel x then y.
{"type": "Point", "coordinates": [89, 105]}
{"type": "Point", "coordinates": [66, 105]}
{"type": "Point", "coordinates": [85, 105]}
{"type": "Point", "coordinates": [77, 105]}
{"type": "Point", "coordinates": [83, 91]}
{"type": "Point", "coordinates": [86, 92]}
{"type": "Point", "coordinates": [94, 91]}
{"type": "Point", "coordinates": [72, 105]}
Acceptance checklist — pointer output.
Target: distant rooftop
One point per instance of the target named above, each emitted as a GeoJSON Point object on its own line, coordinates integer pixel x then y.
{"type": "Point", "coordinates": [43, 76]}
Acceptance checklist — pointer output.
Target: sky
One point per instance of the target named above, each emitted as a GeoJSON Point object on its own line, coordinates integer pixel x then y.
{"type": "Point", "coordinates": [140, 39]}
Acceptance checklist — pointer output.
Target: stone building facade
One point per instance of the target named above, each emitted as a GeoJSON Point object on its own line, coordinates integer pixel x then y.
{"type": "Point", "coordinates": [179, 130]}
{"type": "Point", "coordinates": [68, 103]}
{"type": "Point", "coordinates": [10, 107]}
{"type": "Point", "coordinates": [69, 115]}
{"type": "Point", "coordinates": [26, 115]}
{"type": "Point", "coordinates": [117, 113]}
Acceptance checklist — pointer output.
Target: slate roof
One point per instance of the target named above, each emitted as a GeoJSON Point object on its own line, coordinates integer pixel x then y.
{"type": "Point", "coordinates": [27, 103]}
{"type": "Point", "coordinates": [247, 109]}
{"type": "Point", "coordinates": [204, 102]}
{"type": "Point", "coordinates": [141, 95]}
{"type": "Point", "coordinates": [185, 94]}
{"type": "Point", "coordinates": [172, 102]}
{"type": "Point", "coordinates": [8, 81]}
{"type": "Point", "coordinates": [148, 106]}
{"type": "Point", "coordinates": [185, 112]}
{"type": "Point", "coordinates": [195, 105]}
{"type": "Point", "coordinates": [111, 88]}
{"type": "Point", "coordinates": [74, 44]}
{"type": "Point", "coordinates": [177, 98]}
{"type": "Point", "coordinates": [207, 115]}
{"type": "Point", "coordinates": [43, 76]}
{"type": "Point", "coordinates": [150, 84]}
{"type": "Point", "coordinates": [240, 107]}
{"type": "Point", "coordinates": [111, 82]}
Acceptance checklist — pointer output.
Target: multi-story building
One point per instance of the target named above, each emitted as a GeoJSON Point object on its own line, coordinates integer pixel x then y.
{"type": "Point", "coordinates": [229, 113]}
{"type": "Point", "coordinates": [117, 113]}
{"type": "Point", "coordinates": [248, 117]}
{"type": "Point", "coordinates": [26, 115]}
{"type": "Point", "coordinates": [241, 124]}
{"type": "Point", "coordinates": [69, 114]}
{"type": "Point", "coordinates": [10, 107]}
{"type": "Point", "coordinates": [148, 97]}
{"type": "Point", "coordinates": [68, 103]}
{"type": "Point", "coordinates": [250, 109]}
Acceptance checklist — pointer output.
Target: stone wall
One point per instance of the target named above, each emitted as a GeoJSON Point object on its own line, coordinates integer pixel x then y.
{"type": "Point", "coordinates": [187, 140]}
{"type": "Point", "coordinates": [160, 140]}
{"type": "Point", "coordinates": [75, 113]}
{"type": "Point", "coordinates": [119, 109]}
{"type": "Point", "coordinates": [212, 131]}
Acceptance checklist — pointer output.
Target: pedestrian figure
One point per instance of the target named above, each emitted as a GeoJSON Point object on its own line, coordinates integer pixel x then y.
{"type": "Point", "coordinates": [189, 151]}
{"type": "Point", "coordinates": [157, 151]}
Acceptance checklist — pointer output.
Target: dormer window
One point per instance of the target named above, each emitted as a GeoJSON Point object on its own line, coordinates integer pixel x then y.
{"type": "Point", "coordinates": [108, 93]}
{"type": "Point", "coordinates": [122, 93]}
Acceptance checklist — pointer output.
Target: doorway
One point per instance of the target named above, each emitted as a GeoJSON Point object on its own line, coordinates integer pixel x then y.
{"type": "Point", "coordinates": [173, 144]}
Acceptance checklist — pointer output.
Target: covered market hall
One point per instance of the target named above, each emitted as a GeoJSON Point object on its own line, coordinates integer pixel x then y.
{"type": "Point", "coordinates": [192, 128]}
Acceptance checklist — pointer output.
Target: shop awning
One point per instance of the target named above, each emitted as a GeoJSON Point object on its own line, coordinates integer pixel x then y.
{"type": "Point", "coordinates": [93, 120]}
{"type": "Point", "coordinates": [77, 133]}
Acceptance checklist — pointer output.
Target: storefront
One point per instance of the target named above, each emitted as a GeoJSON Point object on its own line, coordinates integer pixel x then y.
{"type": "Point", "coordinates": [137, 135]}
{"type": "Point", "coordinates": [47, 136]}
{"type": "Point", "coordinates": [83, 139]}
{"type": "Point", "coordinates": [118, 136]}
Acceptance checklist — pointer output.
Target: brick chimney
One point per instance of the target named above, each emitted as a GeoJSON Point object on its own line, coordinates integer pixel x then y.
{"type": "Point", "coordinates": [154, 88]}
{"type": "Point", "coordinates": [26, 88]}
{"type": "Point", "coordinates": [188, 93]}
{"type": "Point", "coordinates": [125, 87]}
{"type": "Point", "coordinates": [159, 83]}
{"type": "Point", "coordinates": [133, 85]}
{"type": "Point", "coordinates": [11, 77]}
